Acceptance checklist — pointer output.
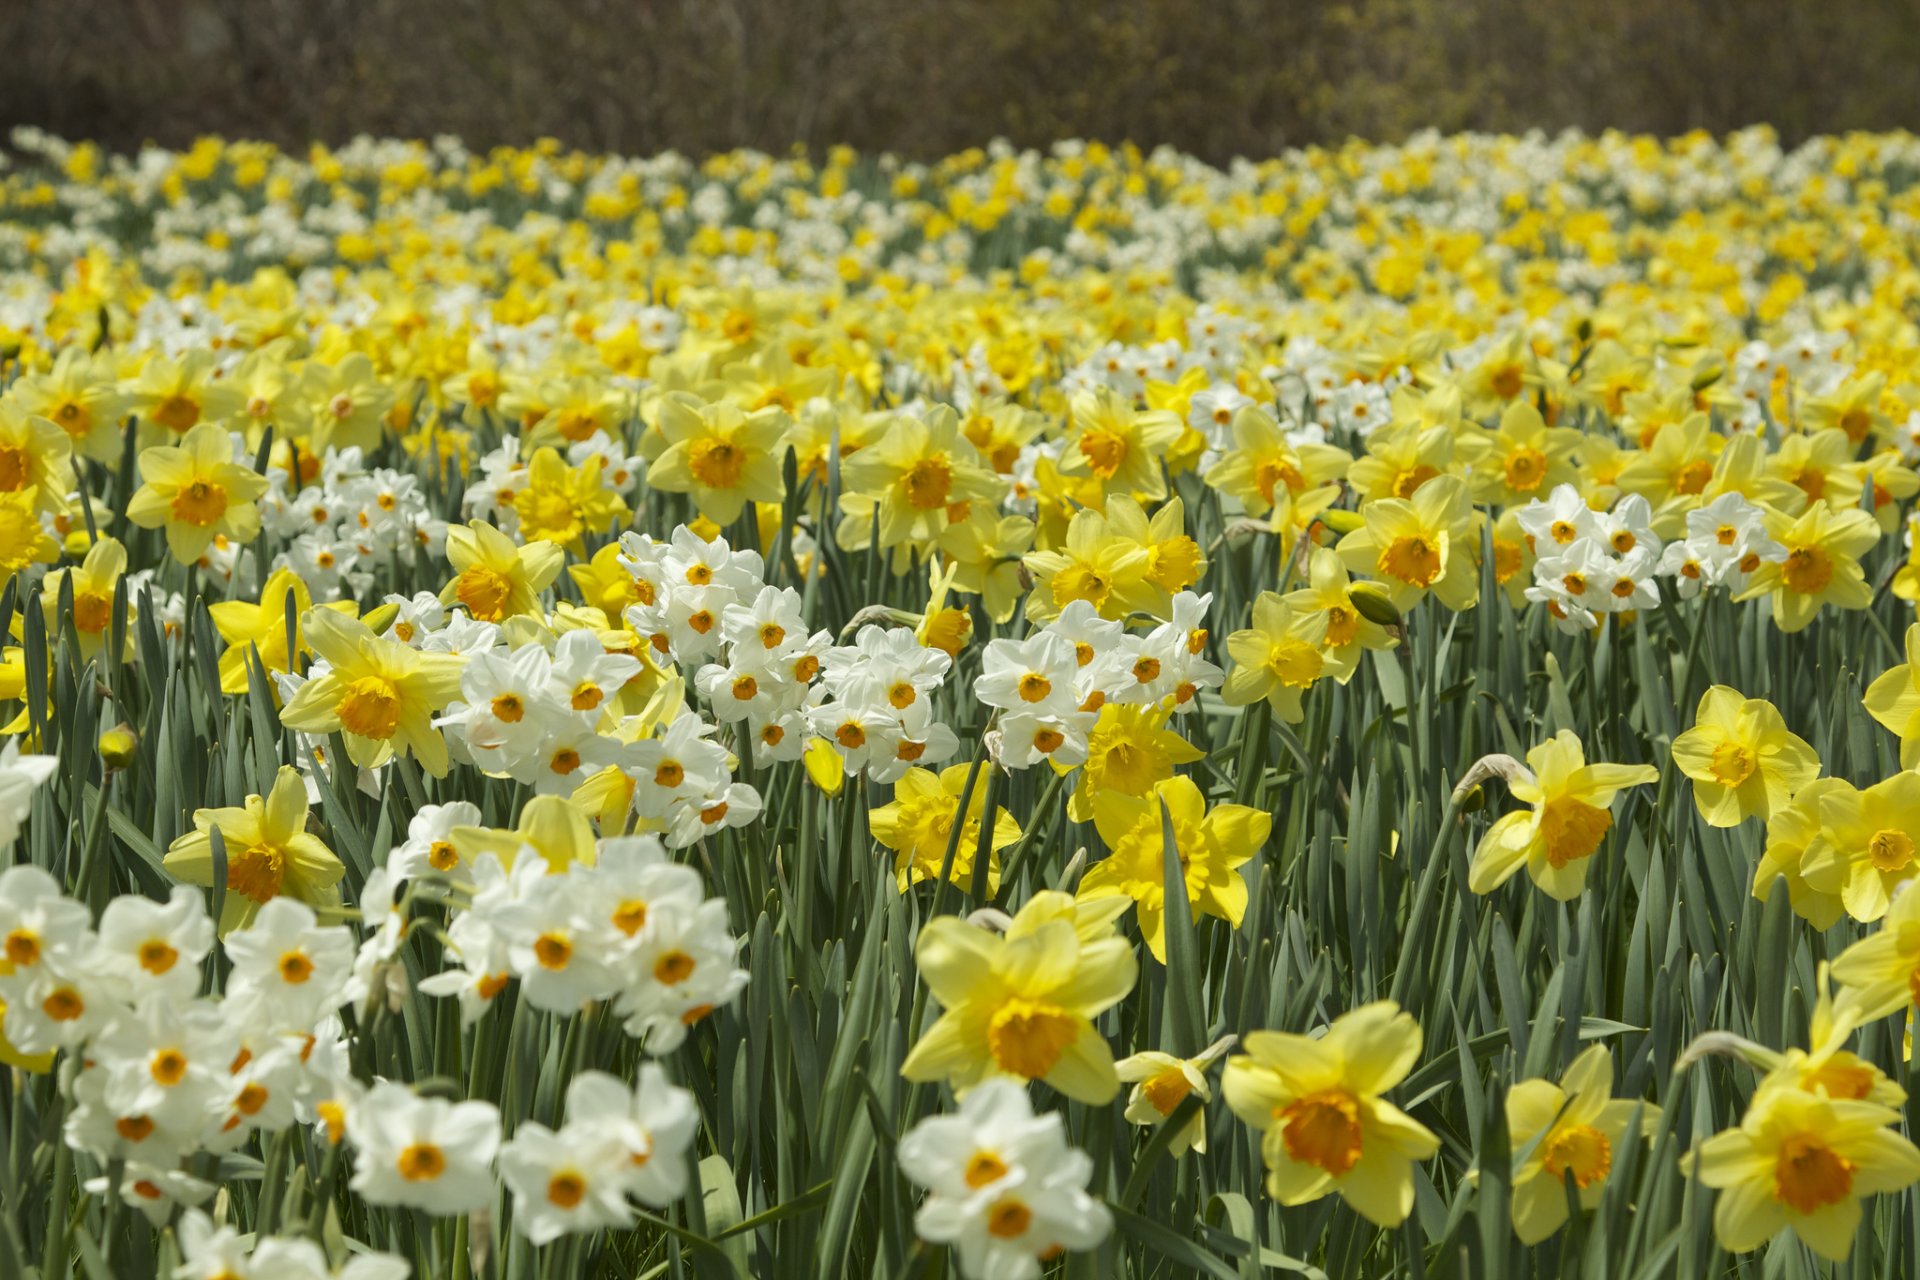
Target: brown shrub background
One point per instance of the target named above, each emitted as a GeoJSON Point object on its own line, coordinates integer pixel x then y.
{"type": "Point", "coordinates": [926, 77]}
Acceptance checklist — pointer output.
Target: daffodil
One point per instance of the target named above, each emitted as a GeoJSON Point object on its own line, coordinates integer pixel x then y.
{"type": "Point", "coordinates": [1743, 761]}
{"type": "Point", "coordinates": [561, 504]}
{"type": "Point", "coordinates": [1801, 1162]}
{"type": "Point", "coordinates": [1326, 1126]}
{"type": "Point", "coordinates": [1822, 566]}
{"type": "Point", "coordinates": [24, 540]}
{"type": "Point", "coordinates": [494, 579]}
{"type": "Point", "coordinates": [1210, 847]}
{"type": "Point", "coordinates": [1570, 815]}
{"type": "Point", "coordinates": [1097, 565]}
{"type": "Point", "coordinates": [1129, 750]}
{"type": "Point", "coordinates": [94, 580]}
{"type": "Point", "coordinates": [917, 824]}
{"type": "Point", "coordinates": [1418, 546]}
{"type": "Point", "coordinates": [1162, 1081]}
{"type": "Point", "coordinates": [921, 474]}
{"type": "Point", "coordinates": [1569, 1130]}
{"type": "Point", "coordinates": [80, 396]}
{"type": "Point", "coordinates": [1021, 1003]}
{"type": "Point", "coordinates": [554, 828]}
{"type": "Point", "coordinates": [197, 492]}
{"type": "Point", "coordinates": [1893, 699]}
{"type": "Point", "coordinates": [34, 454]}
{"type": "Point", "coordinates": [1277, 658]}
{"type": "Point", "coordinates": [1792, 833]}
{"type": "Point", "coordinates": [261, 627]}
{"type": "Point", "coordinates": [1119, 446]}
{"type": "Point", "coordinates": [1867, 844]}
{"type": "Point", "coordinates": [1325, 605]}
{"type": "Point", "coordinates": [1263, 464]}
{"type": "Point", "coordinates": [1881, 973]}
{"type": "Point", "coordinates": [721, 455]}
{"type": "Point", "coordinates": [1526, 458]}
{"type": "Point", "coordinates": [268, 853]}
{"type": "Point", "coordinates": [377, 693]}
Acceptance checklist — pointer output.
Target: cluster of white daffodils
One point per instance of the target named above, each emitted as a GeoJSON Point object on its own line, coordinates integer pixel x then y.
{"type": "Point", "coordinates": [1593, 563]}
{"type": "Point", "coordinates": [347, 522]}
{"type": "Point", "coordinates": [1048, 689]}
{"type": "Point", "coordinates": [210, 1252]}
{"type": "Point", "coordinates": [619, 1143]}
{"type": "Point", "coordinates": [1003, 1187]}
{"type": "Point", "coordinates": [164, 1072]}
{"type": "Point", "coordinates": [535, 715]}
{"type": "Point", "coordinates": [574, 924]}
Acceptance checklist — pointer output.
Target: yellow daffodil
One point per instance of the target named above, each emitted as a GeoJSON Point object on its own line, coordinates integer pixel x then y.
{"type": "Point", "coordinates": [1211, 845]}
{"type": "Point", "coordinates": [1557, 837]}
{"type": "Point", "coordinates": [1743, 762]}
{"type": "Point", "coordinates": [1263, 463]}
{"type": "Point", "coordinates": [24, 540]}
{"type": "Point", "coordinates": [1526, 459]}
{"type": "Point", "coordinates": [1120, 447]}
{"type": "Point", "coordinates": [1278, 657]}
{"type": "Point", "coordinates": [197, 492]}
{"type": "Point", "coordinates": [1867, 843]}
{"type": "Point", "coordinates": [1822, 566]}
{"type": "Point", "coordinates": [721, 455]}
{"type": "Point", "coordinates": [379, 694]}
{"type": "Point", "coordinates": [917, 824]}
{"type": "Point", "coordinates": [562, 504]}
{"type": "Point", "coordinates": [1325, 1124]}
{"type": "Point", "coordinates": [94, 581]}
{"type": "Point", "coordinates": [1791, 833]}
{"type": "Point", "coordinates": [1161, 1082]}
{"type": "Point", "coordinates": [1801, 1162]}
{"type": "Point", "coordinates": [34, 454]}
{"type": "Point", "coordinates": [262, 627]}
{"type": "Point", "coordinates": [1326, 605]}
{"type": "Point", "coordinates": [921, 474]}
{"type": "Point", "coordinates": [1881, 972]}
{"type": "Point", "coordinates": [1421, 545]}
{"type": "Point", "coordinates": [1893, 699]}
{"type": "Point", "coordinates": [495, 579]}
{"type": "Point", "coordinates": [1101, 567]}
{"type": "Point", "coordinates": [554, 828]}
{"type": "Point", "coordinates": [1570, 1130]}
{"type": "Point", "coordinates": [1129, 750]}
{"type": "Point", "coordinates": [268, 852]}
{"type": "Point", "coordinates": [1021, 1003]}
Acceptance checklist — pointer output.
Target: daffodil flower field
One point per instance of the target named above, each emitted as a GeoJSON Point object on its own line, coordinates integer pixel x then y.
{"type": "Point", "coordinates": [1073, 713]}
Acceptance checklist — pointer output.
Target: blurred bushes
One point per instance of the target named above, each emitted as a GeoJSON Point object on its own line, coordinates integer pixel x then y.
{"type": "Point", "coordinates": [926, 77]}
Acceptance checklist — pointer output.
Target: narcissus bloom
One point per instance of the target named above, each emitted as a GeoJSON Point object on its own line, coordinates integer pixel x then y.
{"type": "Point", "coordinates": [1161, 1082]}
{"type": "Point", "coordinates": [495, 579]}
{"type": "Point", "coordinates": [1822, 566]}
{"type": "Point", "coordinates": [1894, 700]}
{"type": "Point", "coordinates": [1801, 1162]}
{"type": "Point", "coordinates": [1881, 972]}
{"type": "Point", "coordinates": [197, 492]}
{"type": "Point", "coordinates": [261, 627]}
{"type": "Point", "coordinates": [1743, 762]}
{"type": "Point", "coordinates": [1867, 843]}
{"type": "Point", "coordinates": [720, 454]}
{"type": "Point", "coordinates": [268, 851]}
{"type": "Point", "coordinates": [1791, 834]}
{"type": "Point", "coordinates": [1022, 1003]}
{"type": "Point", "coordinates": [1420, 545]}
{"type": "Point", "coordinates": [1326, 1126]}
{"type": "Point", "coordinates": [94, 580]}
{"type": "Point", "coordinates": [1278, 657]}
{"type": "Point", "coordinates": [918, 826]}
{"type": "Point", "coordinates": [1211, 846]}
{"type": "Point", "coordinates": [1555, 839]}
{"type": "Point", "coordinates": [1572, 1130]}
{"type": "Point", "coordinates": [379, 694]}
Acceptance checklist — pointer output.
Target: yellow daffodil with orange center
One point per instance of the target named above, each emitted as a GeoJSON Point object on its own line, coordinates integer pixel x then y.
{"type": "Point", "coordinates": [1570, 815]}
{"type": "Point", "coordinates": [1161, 1082]}
{"type": "Point", "coordinates": [494, 578]}
{"type": "Point", "coordinates": [1021, 1003]}
{"type": "Point", "coordinates": [1526, 459]}
{"type": "Point", "coordinates": [1418, 546]}
{"type": "Point", "coordinates": [24, 540]}
{"type": "Point", "coordinates": [1326, 1125]}
{"type": "Point", "coordinates": [379, 694]}
{"type": "Point", "coordinates": [1792, 833]}
{"type": "Point", "coordinates": [1743, 761]}
{"type": "Point", "coordinates": [918, 825]}
{"type": "Point", "coordinates": [1822, 566]}
{"type": "Point", "coordinates": [268, 853]}
{"type": "Point", "coordinates": [1571, 1130]}
{"type": "Point", "coordinates": [719, 454]}
{"type": "Point", "coordinates": [34, 454]}
{"type": "Point", "coordinates": [94, 581]}
{"type": "Point", "coordinates": [1121, 447]}
{"type": "Point", "coordinates": [1801, 1162]}
{"type": "Point", "coordinates": [261, 627]}
{"type": "Point", "coordinates": [1325, 605]}
{"type": "Point", "coordinates": [921, 475]}
{"type": "Point", "coordinates": [562, 504]}
{"type": "Point", "coordinates": [1103, 568]}
{"type": "Point", "coordinates": [197, 492]}
{"type": "Point", "coordinates": [1264, 467]}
